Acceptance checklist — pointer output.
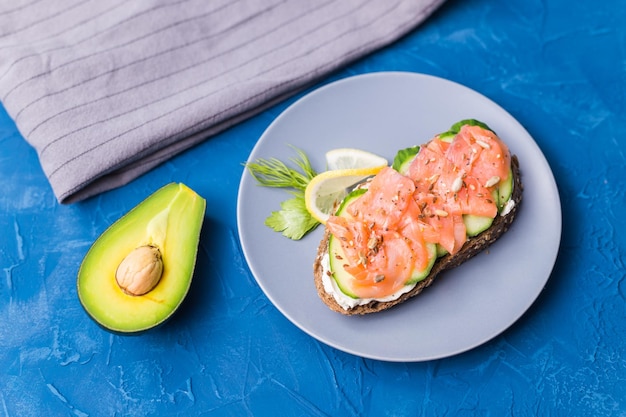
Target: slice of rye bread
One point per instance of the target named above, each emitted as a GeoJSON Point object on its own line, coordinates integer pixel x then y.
{"type": "Point", "coordinates": [471, 247]}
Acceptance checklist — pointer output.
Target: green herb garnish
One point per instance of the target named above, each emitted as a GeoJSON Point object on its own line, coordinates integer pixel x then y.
{"type": "Point", "coordinates": [456, 128]}
{"type": "Point", "coordinates": [275, 173]}
{"type": "Point", "coordinates": [403, 159]}
{"type": "Point", "coordinates": [293, 220]}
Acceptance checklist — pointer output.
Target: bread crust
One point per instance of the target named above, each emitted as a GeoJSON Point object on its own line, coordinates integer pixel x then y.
{"type": "Point", "coordinates": [472, 247]}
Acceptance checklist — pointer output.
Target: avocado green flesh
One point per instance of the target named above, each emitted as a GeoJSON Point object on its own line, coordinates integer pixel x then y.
{"type": "Point", "coordinates": [170, 219]}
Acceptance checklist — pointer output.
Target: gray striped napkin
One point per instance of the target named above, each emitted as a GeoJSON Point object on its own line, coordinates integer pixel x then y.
{"type": "Point", "coordinates": [106, 90]}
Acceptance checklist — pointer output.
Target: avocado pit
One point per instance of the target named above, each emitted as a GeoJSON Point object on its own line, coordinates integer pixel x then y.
{"type": "Point", "coordinates": [140, 271]}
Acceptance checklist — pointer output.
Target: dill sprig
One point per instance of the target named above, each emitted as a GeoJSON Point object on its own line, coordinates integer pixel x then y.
{"type": "Point", "coordinates": [275, 173]}
{"type": "Point", "coordinates": [293, 220]}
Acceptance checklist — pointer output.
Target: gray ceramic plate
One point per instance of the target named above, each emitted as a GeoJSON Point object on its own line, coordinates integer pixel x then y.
{"type": "Point", "coordinates": [381, 113]}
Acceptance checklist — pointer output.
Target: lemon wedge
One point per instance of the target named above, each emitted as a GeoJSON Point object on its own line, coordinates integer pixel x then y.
{"type": "Point", "coordinates": [326, 189]}
{"type": "Point", "coordinates": [350, 158]}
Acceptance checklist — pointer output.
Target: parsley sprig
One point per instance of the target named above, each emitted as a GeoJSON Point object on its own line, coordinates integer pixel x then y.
{"type": "Point", "coordinates": [293, 220]}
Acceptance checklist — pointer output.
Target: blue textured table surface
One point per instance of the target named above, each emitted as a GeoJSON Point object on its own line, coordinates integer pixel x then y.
{"type": "Point", "coordinates": [558, 66]}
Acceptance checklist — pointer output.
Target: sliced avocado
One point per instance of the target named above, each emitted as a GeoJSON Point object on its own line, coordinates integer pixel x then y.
{"type": "Point", "coordinates": [164, 228]}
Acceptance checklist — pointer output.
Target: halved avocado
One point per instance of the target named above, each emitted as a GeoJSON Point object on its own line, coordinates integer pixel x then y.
{"type": "Point", "coordinates": [169, 222]}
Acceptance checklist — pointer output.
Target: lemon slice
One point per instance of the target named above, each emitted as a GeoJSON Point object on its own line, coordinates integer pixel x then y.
{"type": "Point", "coordinates": [330, 187]}
{"type": "Point", "coordinates": [349, 158]}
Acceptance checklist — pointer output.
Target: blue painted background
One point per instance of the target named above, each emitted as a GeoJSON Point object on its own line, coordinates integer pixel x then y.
{"type": "Point", "coordinates": [558, 66]}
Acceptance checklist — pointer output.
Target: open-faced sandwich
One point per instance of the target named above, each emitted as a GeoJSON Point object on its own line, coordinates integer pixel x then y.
{"type": "Point", "coordinates": [439, 205]}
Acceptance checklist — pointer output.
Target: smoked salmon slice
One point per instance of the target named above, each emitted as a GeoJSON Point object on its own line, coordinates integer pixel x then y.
{"type": "Point", "coordinates": [386, 231]}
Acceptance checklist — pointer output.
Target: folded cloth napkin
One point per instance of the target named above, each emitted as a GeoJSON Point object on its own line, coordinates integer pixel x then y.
{"type": "Point", "coordinates": [107, 90]}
